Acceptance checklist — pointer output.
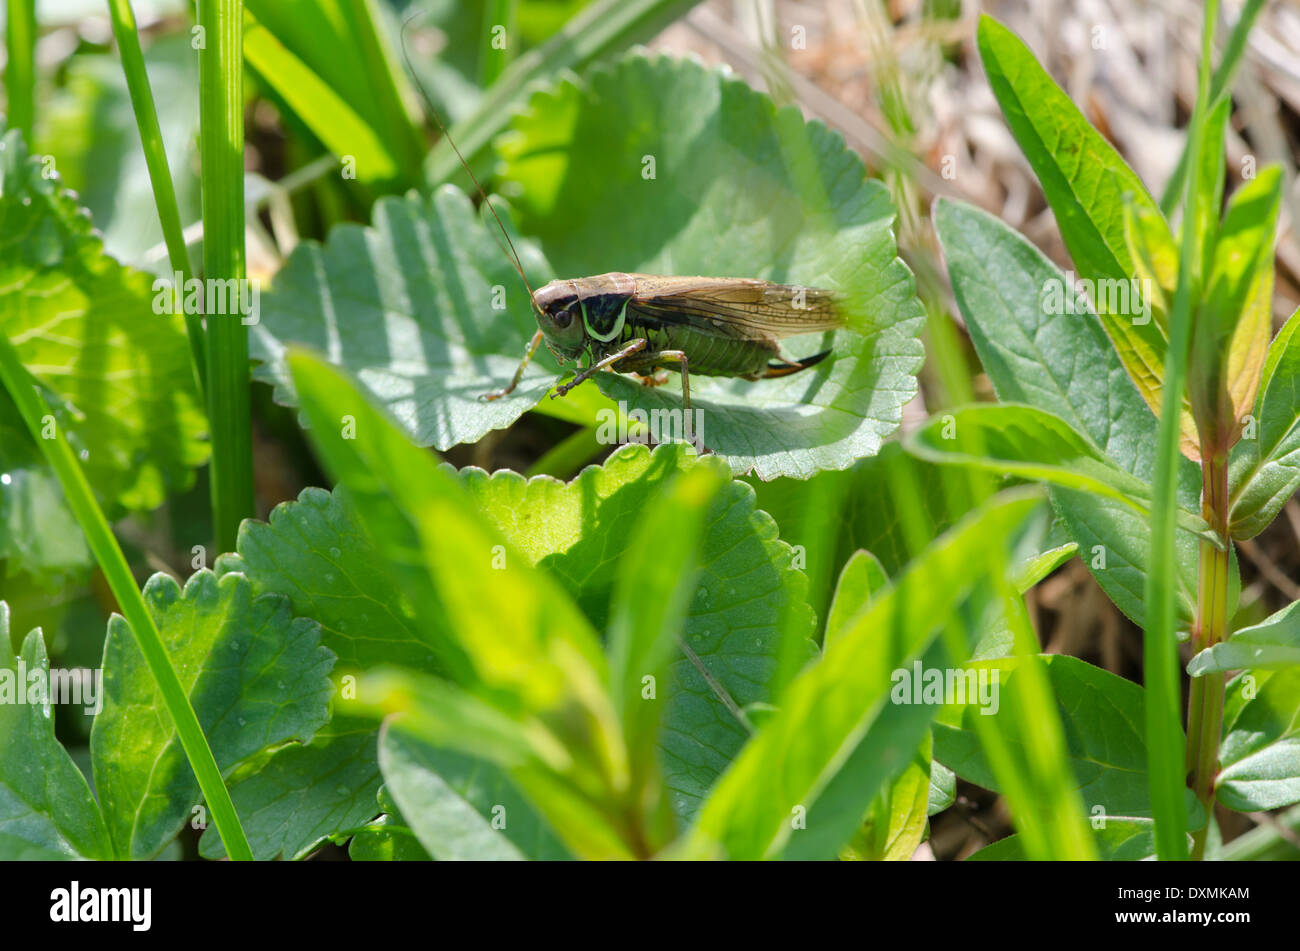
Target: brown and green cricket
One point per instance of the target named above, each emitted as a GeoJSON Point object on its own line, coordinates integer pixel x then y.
{"type": "Point", "coordinates": [640, 323]}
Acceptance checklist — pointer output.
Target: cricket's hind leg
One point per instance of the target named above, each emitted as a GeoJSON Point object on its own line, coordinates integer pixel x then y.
{"type": "Point", "coordinates": [786, 367]}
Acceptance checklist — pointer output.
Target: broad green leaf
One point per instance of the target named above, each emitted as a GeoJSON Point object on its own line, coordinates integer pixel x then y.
{"type": "Point", "coordinates": [1030, 443]}
{"type": "Point", "coordinates": [719, 182]}
{"type": "Point", "coordinates": [1104, 730]}
{"type": "Point", "coordinates": [39, 536]}
{"type": "Point", "coordinates": [407, 307]}
{"type": "Point", "coordinates": [315, 553]}
{"type": "Point", "coordinates": [1260, 755]}
{"type": "Point", "coordinates": [459, 808]}
{"type": "Point", "coordinates": [1063, 364]}
{"type": "Point", "coordinates": [304, 793]}
{"type": "Point", "coordinates": [524, 671]}
{"type": "Point", "coordinates": [256, 676]}
{"type": "Point", "coordinates": [117, 374]}
{"type": "Point", "coordinates": [579, 530]}
{"type": "Point", "coordinates": [534, 647]}
{"type": "Point", "coordinates": [46, 808]}
{"type": "Point", "coordinates": [1272, 643]}
{"type": "Point", "coordinates": [1234, 318]}
{"type": "Point", "coordinates": [602, 29]}
{"type": "Point", "coordinates": [1265, 464]}
{"type": "Point", "coordinates": [1086, 182]}
{"type": "Point", "coordinates": [828, 713]}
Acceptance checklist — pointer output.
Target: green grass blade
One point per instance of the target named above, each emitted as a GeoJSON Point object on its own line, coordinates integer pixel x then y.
{"type": "Point", "coordinates": [20, 67]}
{"type": "Point", "coordinates": [1166, 759]}
{"type": "Point", "coordinates": [221, 145]}
{"type": "Point", "coordinates": [155, 156]}
{"type": "Point", "coordinates": [117, 572]}
{"type": "Point", "coordinates": [1223, 76]}
{"type": "Point", "coordinates": [493, 59]}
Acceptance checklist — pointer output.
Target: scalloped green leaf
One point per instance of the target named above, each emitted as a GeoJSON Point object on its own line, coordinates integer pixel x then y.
{"type": "Point", "coordinates": [578, 531]}
{"type": "Point", "coordinates": [720, 182]}
{"type": "Point", "coordinates": [305, 793]}
{"type": "Point", "coordinates": [406, 306]}
{"type": "Point", "coordinates": [46, 808]}
{"type": "Point", "coordinates": [256, 676]}
{"type": "Point", "coordinates": [116, 373]}
{"type": "Point", "coordinates": [313, 552]}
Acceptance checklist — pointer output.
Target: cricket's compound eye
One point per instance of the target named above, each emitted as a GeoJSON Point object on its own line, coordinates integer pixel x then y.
{"type": "Point", "coordinates": [562, 318]}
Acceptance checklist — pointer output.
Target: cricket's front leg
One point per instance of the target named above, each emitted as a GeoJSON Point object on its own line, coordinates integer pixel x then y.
{"type": "Point", "coordinates": [635, 346]}
{"type": "Point", "coordinates": [519, 373]}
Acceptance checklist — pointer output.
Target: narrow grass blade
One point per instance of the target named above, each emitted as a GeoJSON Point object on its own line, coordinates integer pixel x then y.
{"type": "Point", "coordinates": [155, 156]}
{"type": "Point", "coordinates": [22, 389]}
{"type": "Point", "coordinates": [221, 146]}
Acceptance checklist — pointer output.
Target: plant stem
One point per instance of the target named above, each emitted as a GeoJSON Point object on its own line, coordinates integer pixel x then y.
{"type": "Point", "coordinates": [1205, 703]}
{"type": "Point", "coordinates": [22, 389]}
{"type": "Point", "coordinates": [221, 145]}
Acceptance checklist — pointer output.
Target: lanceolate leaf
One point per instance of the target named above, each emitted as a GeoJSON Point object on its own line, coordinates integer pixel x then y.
{"type": "Point", "coordinates": [1274, 642]}
{"type": "Point", "coordinates": [1265, 465]}
{"type": "Point", "coordinates": [1260, 755]}
{"type": "Point", "coordinates": [1064, 364]}
{"type": "Point", "coordinates": [696, 173]}
{"type": "Point", "coordinates": [1086, 182]}
{"type": "Point", "coordinates": [460, 808]}
{"type": "Point", "coordinates": [256, 676]}
{"type": "Point", "coordinates": [1233, 321]}
{"type": "Point", "coordinates": [46, 808]}
{"type": "Point", "coordinates": [1027, 442]}
{"type": "Point", "coordinates": [523, 674]}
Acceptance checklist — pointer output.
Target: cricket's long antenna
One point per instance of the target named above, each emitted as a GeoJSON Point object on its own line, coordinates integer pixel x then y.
{"type": "Point", "coordinates": [433, 114]}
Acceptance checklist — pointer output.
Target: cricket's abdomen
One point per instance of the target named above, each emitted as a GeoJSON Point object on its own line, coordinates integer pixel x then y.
{"type": "Point", "coordinates": [708, 352]}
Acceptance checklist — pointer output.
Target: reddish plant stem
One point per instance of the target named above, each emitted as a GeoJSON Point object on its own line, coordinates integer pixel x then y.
{"type": "Point", "coordinates": [1205, 703]}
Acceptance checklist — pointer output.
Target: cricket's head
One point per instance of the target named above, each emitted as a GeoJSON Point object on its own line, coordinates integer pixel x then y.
{"type": "Point", "coordinates": [560, 316]}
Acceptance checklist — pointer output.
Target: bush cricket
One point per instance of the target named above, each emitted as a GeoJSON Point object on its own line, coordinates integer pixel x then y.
{"type": "Point", "coordinates": [641, 323]}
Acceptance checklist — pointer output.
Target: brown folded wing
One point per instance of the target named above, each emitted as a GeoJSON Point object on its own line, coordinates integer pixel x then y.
{"type": "Point", "coordinates": [750, 308]}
